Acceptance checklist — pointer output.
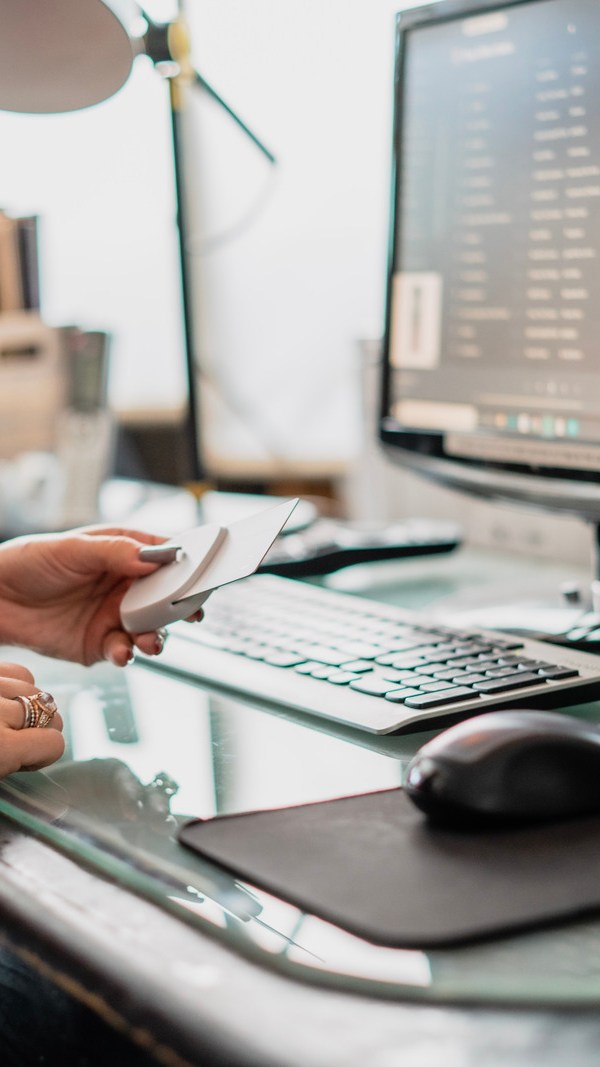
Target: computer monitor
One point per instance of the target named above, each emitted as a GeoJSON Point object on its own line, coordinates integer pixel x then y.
{"type": "Point", "coordinates": [491, 379]}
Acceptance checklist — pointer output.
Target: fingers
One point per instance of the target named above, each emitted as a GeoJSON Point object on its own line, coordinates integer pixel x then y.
{"type": "Point", "coordinates": [15, 670]}
{"type": "Point", "coordinates": [118, 645]}
{"type": "Point", "coordinates": [14, 687]}
{"type": "Point", "coordinates": [117, 648]}
{"type": "Point", "coordinates": [12, 713]}
{"type": "Point", "coordinates": [92, 552]}
{"type": "Point", "coordinates": [151, 643]}
{"type": "Point", "coordinates": [28, 750]}
{"type": "Point", "coordinates": [25, 748]}
{"type": "Point", "coordinates": [121, 531]}
{"type": "Point", "coordinates": [15, 716]}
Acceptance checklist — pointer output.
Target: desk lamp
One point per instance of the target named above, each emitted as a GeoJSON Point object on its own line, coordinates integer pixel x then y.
{"type": "Point", "coordinates": [71, 54]}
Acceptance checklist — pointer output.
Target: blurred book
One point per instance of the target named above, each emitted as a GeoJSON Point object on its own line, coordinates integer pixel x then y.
{"type": "Point", "coordinates": [19, 263]}
{"type": "Point", "coordinates": [11, 288]}
{"type": "Point", "coordinates": [28, 241]}
{"type": "Point", "coordinates": [33, 384]}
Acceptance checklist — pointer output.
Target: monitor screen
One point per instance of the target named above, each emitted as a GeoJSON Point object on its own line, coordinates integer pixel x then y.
{"type": "Point", "coordinates": [492, 345]}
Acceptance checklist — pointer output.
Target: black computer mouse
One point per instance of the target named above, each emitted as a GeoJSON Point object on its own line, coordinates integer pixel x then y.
{"type": "Point", "coordinates": [506, 767]}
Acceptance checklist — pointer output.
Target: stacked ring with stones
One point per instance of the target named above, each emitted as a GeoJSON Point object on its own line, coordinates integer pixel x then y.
{"type": "Point", "coordinates": [45, 704]}
{"type": "Point", "coordinates": [38, 709]}
{"type": "Point", "coordinates": [30, 713]}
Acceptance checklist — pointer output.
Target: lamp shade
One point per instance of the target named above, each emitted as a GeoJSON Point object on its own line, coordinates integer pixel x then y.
{"type": "Point", "coordinates": [62, 55]}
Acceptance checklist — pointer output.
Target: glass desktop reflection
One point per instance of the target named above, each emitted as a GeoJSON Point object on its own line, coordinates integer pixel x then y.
{"type": "Point", "coordinates": [145, 753]}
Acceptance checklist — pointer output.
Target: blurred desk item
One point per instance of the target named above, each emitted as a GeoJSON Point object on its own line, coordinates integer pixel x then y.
{"type": "Point", "coordinates": [56, 427]}
{"type": "Point", "coordinates": [150, 506]}
{"type": "Point", "coordinates": [164, 509]}
{"type": "Point", "coordinates": [223, 507]}
{"type": "Point", "coordinates": [33, 384]}
{"type": "Point", "coordinates": [86, 432]}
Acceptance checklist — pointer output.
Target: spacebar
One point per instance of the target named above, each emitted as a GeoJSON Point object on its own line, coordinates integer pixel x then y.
{"type": "Point", "coordinates": [502, 685]}
{"type": "Point", "coordinates": [432, 700]}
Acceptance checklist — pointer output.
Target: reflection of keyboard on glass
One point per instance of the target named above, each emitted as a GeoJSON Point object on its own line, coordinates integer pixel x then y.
{"type": "Point", "coordinates": [363, 663]}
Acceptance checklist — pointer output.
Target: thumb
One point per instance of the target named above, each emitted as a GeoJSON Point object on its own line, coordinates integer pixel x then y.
{"type": "Point", "coordinates": [108, 553]}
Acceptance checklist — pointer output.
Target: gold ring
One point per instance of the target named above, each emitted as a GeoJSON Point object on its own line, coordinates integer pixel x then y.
{"type": "Point", "coordinates": [38, 710]}
{"type": "Point", "coordinates": [30, 713]}
{"type": "Point", "coordinates": [45, 707]}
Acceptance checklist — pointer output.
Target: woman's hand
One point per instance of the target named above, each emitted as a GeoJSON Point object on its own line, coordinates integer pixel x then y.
{"type": "Point", "coordinates": [24, 749]}
{"type": "Point", "coordinates": [60, 594]}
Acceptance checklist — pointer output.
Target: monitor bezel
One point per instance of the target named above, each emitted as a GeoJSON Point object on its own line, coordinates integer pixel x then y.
{"type": "Point", "coordinates": [576, 491]}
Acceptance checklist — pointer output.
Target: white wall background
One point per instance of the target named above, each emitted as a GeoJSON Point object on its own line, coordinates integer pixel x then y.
{"type": "Point", "coordinates": [289, 261]}
{"type": "Point", "coordinates": [101, 181]}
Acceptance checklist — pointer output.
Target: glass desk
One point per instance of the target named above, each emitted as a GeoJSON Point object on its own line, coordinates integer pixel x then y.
{"type": "Point", "coordinates": [146, 751]}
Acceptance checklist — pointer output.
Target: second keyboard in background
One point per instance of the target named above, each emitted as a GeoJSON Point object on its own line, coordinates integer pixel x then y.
{"type": "Point", "coordinates": [326, 545]}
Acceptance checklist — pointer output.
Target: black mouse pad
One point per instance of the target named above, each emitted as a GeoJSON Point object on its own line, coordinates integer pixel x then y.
{"type": "Point", "coordinates": [373, 865]}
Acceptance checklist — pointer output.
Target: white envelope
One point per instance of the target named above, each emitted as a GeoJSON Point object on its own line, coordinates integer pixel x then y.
{"type": "Point", "coordinates": [210, 556]}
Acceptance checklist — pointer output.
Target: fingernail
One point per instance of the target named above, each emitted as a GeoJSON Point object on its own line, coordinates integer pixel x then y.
{"type": "Point", "coordinates": [159, 643]}
{"type": "Point", "coordinates": [159, 553]}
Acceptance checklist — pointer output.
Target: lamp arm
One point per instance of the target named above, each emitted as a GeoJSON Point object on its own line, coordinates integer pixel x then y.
{"type": "Point", "coordinates": [167, 45]}
{"type": "Point", "coordinates": [199, 80]}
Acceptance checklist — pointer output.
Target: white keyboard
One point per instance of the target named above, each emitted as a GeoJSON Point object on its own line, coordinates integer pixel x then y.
{"type": "Point", "coordinates": [365, 664]}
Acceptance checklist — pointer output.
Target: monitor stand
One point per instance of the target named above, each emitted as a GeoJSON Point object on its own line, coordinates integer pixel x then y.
{"type": "Point", "coordinates": [569, 615]}
{"type": "Point", "coordinates": [583, 631]}
{"type": "Point", "coordinates": [516, 594]}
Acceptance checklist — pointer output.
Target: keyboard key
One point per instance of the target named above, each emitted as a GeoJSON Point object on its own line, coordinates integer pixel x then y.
{"type": "Point", "coordinates": [405, 677]}
{"type": "Point", "coordinates": [400, 695]}
{"type": "Point", "coordinates": [362, 650]}
{"type": "Point", "coordinates": [342, 677]}
{"type": "Point", "coordinates": [558, 672]}
{"type": "Point", "coordinates": [325, 655]}
{"type": "Point", "coordinates": [502, 685]}
{"type": "Point", "coordinates": [358, 665]}
{"type": "Point", "coordinates": [434, 700]}
{"type": "Point", "coordinates": [449, 674]}
{"type": "Point", "coordinates": [407, 662]}
{"type": "Point", "coordinates": [376, 686]}
{"type": "Point", "coordinates": [322, 671]}
{"type": "Point", "coordinates": [432, 668]}
{"type": "Point", "coordinates": [397, 676]}
{"type": "Point", "coordinates": [280, 658]}
{"type": "Point", "coordinates": [530, 664]}
{"type": "Point", "coordinates": [500, 672]}
{"type": "Point", "coordinates": [435, 687]}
